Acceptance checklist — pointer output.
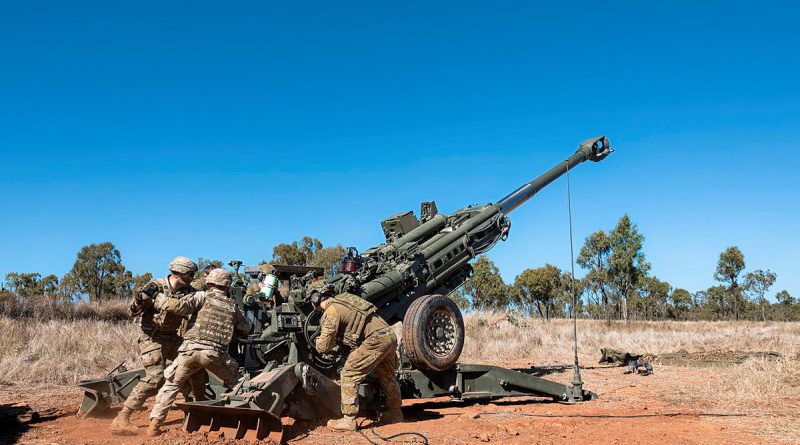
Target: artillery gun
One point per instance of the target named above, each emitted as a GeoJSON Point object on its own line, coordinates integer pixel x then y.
{"type": "Point", "coordinates": [408, 278]}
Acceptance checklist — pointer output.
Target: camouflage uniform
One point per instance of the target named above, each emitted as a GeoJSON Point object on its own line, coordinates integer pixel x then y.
{"type": "Point", "coordinates": [200, 283]}
{"type": "Point", "coordinates": [351, 320]}
{"type": "Point", "coordinates": [214, 318]}
{"type": "Point", "coordinates": [158, 342]}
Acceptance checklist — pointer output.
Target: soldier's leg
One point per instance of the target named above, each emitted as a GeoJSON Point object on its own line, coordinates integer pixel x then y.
{"type": "Point", "coordinates": [221, 365]}
{"type": "Point", "coordinates": [153, 362]}
{"type": "Point", "coordinates": [176, 377]}
{"type": "Point", "coordinates": [359, 364]}
{"type": "Point", "coordinates": [197, 382]}
{"type": "Point", "coordinates": [386, 371]}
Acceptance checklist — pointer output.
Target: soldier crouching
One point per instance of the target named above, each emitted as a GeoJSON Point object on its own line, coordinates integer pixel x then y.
{"type": "Point", "coordinates": [352, 321]}
{"type": "Point", "coordinates": [214, 319]}
{"type": "Point", "coordinates": [159, 339]}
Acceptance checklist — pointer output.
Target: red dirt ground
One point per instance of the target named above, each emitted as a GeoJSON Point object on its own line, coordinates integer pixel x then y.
{"type": "Point", "coordinates": [631, 410]}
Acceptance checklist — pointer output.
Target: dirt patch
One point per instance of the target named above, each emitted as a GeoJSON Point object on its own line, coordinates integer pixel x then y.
{"type": "Point", "coordinates": [712, 358]}
{"type": "Point", "coordinates": [631, 409]}
{"type": "Point", "coordinates": [703, 359]}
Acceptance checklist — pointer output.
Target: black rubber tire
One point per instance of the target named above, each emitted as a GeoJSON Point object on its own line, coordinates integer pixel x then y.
{"type": "Point", "coordinates": [415, 346]}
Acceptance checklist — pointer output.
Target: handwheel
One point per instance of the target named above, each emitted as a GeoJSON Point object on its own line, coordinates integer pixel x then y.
{"type": "Point", "coordinates": [433, 333]}
{"type": "Point", "coordinates": [311, 332]}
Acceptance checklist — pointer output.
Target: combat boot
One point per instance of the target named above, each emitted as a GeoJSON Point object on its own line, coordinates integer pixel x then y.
{"type": "Point", "coordinates": [346, 423]}
{"type": "Point", "coordinates": [392, 416]}
{"type": "Point", "coordinates": [121, 424]}
{"type": "Point", "coordinates": [154, 429]}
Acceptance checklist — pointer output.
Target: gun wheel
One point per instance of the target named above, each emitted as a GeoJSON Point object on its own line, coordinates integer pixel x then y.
{"type": "Point", "coordinates": [433, 333]}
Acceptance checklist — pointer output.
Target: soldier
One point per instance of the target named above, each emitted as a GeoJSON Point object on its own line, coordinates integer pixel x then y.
{"type": "Point", "coordinates": [200, 283]}
{"type": "Point", "coordinates": [159, 339]}
{"type": "Point", "coordinates": [352, 321]}
{"type": "Point", "coordinates": [214, 319]}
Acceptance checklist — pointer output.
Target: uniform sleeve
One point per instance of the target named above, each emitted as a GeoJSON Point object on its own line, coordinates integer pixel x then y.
{"type": "Point", "coordinates": [184, 306]}
{"type": "Point", "coordinates": [241, 325]}
{"type": "Point", "coordinates": [328, 326]}
{"type": "Point", "coordinates": [141, 300]}
{"type": "Point", "coordinates": [135, 308]}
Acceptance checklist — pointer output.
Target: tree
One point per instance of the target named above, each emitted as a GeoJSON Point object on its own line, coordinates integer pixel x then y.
{"type": "Point", "coordinates": [717, 300]}
{"type": "Point", "coordinates": [30, 284]}
{"type": "Point", "coordinates": [288, 254]}
{"type": "Point", "coordinates": [202, 263]}
{"type": "Point", "coordinates": [538, 288]}
{"type": "Point", "coordinates": [139, 280]}
{"type": "Point", "coordinates": [126, 282]}
{"type": "Point", "coordinates": [627, 264]}
{"type": "Point", "coordinates": [787, 304]}
{"type": "Point", "coordinates": [486, 287]}
{"type": "Point", "coordinates": [97, 273]}
{"type": "Point", "coordinates": [594, 257]}
{"type": "Point", "coordinates": [729, 266]}
{"type": "Point", "coordinates": [757, 284]}
{"type": "Point", "coordinates": [460, 298]}
{"type": "Point", "coordinates": [681, 302]}
{"type": "Point", "coordinates": [563, 303]}
{"type": "Point", "coordinates": [308, 252]}
{"type": "Point", "coordinates": [653, 297]}
{"type": "Point", "coordinates": [328, 258]}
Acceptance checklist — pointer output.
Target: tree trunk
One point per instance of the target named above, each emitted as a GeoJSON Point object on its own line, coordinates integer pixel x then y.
{"type": "Point", "coordinates": [624, 303]}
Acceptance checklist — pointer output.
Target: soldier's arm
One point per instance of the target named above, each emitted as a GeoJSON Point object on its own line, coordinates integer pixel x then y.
{"type": "Point", "coordinates": [241, 325]}
{"type": "Point", "coordinates": [184, 306]}
{"type": "Point", "coordinates": [143, 298]}
{"type": "Point", "coordinates": [328, 326]}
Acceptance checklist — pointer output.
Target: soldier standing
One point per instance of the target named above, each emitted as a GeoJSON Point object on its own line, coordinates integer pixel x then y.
{"type": "Point", "coordinates": [159, 339]}
{"type": "Point", "coordinates": [352, 321]}
{"type": "Point", "coordinates": [200, 283]}
{"type": "Point", "coordinates": [214, 319]}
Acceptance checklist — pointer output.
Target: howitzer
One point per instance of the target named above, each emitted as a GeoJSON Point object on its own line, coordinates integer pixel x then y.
{"type": "Point", "coordinates": [408, 279]}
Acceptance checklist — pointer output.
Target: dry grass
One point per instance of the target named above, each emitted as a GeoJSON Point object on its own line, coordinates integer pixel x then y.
{"type": "Point", "coordinates": [766, 391]}
{"type": "Point", "coordinates": [41, 308]}
{"type": "Point", "coordinates": [500, 337]}
{"type": "Point", "coordinates": [63, 352]}
{"type": "Point", "coordinates": [66, 351]}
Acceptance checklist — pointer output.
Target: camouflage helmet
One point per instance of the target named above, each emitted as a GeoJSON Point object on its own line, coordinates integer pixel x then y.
{"type": "Point", "coordinates": [318, 290]}
{"type": "Point", "coordinates": [220, 277]}
{"type": "Point", "coordinates": [181, 264]}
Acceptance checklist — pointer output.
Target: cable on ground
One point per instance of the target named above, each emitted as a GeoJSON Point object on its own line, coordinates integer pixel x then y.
{"type": "Point", "coordinates": [389, 438]}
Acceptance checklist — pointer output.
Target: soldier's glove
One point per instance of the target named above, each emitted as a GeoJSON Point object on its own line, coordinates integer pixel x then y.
{"type": "Point", "coordinates": [150, 289]}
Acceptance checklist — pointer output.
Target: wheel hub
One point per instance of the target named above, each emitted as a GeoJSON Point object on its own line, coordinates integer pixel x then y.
{"type": "Point", "coordinates": [441, 332]}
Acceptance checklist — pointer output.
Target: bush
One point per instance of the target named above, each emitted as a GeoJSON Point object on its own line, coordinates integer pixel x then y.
{"type": "Point", "coordinates": [108, 310]}
{"type": "Point", "coordinates": [45, 308]}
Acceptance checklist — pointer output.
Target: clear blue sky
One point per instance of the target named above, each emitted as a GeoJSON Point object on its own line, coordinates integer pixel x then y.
{"type": "Point", "coordinates": [217, 130]}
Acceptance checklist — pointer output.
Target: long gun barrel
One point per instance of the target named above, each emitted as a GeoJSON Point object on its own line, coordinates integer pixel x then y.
{"type": "Point", "coordinates": [595, 149]}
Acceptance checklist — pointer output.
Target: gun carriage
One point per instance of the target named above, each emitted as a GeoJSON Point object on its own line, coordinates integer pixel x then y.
{"type": "Point", "coordinates": [408, 278]}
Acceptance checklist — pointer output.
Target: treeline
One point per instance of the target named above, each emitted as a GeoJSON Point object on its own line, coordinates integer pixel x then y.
{"type": "Point", "coordinates": [98, 281]}
{"type": "Point", "coordinates": [617, 284]}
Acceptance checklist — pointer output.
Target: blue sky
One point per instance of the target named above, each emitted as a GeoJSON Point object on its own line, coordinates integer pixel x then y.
{"type": "Point", "coordinates": [218, 130]}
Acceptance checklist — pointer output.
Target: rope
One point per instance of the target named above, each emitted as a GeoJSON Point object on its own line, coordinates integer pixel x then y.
{"type": "Point", "coordinates": [572, 280]}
